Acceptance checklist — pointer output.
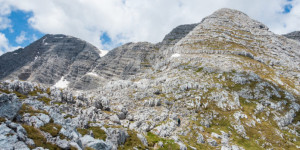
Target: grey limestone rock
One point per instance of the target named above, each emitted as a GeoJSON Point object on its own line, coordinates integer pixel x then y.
{"type": "Point", "coordinates": [200, 139]}
{"type": "Point", "coordinates": [293, 35]}
{"type": "Point", "coordinates": [116, 136]}
{"type": "Point", "coordinates": [9, 106]}
{"type": "Point", "coordinates": [143, 139]}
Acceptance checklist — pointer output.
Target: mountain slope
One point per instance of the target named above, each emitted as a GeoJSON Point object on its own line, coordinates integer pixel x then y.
{"type": "Point", "coordinates": [50, 59]}
{"type": "Point", "coordinates": [293, 35]}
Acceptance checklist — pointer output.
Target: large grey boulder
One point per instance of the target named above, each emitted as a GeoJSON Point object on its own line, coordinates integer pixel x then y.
{"type": "Point", "coordinates": [9, 106]}
{"type": "Point", "coordinates": [143, 139]}
{"type": "Point", "coordinates": [9, 139]}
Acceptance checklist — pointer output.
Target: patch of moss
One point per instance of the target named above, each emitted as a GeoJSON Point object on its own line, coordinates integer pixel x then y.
{"type": "Point", "coordinates": [38, 138]}
{"type": "Point", "coordinates": [48, 91]}
{"type": "Point", "coordinates": [199, 69]}
{"type": "Point", "coordinates": [19, 95]}
{"type": "Point", "coordinates": [97, 131]}
{"type": "Point", "coordinates": [2, 119]}
{"type": "Point", "coordinates": [132, 141]}
{"type": "Point", "coordinates": [167, 144]}
{"type": "Point", "coordinates": [69, 116]}
{"type": "Point", "coordinates": [45, 100]}
{"type": "Point", "coordinates": [73, 148]}
{"type": "Point", "coordinates": [35, 91]}
{"type": "Point", "coordinates": [51, 128]}
{"type": "Point", "coordinates": [297, 117]}
{"type": "Point", "coordinates": [5, 91]}
{"type": "Point", "coordinates": [58, 103]}
{"type": "Point", "coordinates": [83, 131]}
{"type": "Point", "coordinates": [28, 109]}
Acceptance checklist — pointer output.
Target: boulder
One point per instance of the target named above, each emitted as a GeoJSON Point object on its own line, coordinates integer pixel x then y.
{"type": "Point", "coordinates": [9, 106]}
{"type": "Point", "coordinates": [143, 139]}
{"type": "Point", "coordinates": [116, 136]}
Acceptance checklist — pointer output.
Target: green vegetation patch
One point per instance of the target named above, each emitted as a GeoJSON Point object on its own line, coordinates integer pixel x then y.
{"type": "Point", "coordinates": [45, 100]}
{"type": "Point", "coordinates": [167, 144]}
{"type": "Point", "coordinates": [132, 141]}
{"type": "Point", "coordinates": [36, 91]}
{"type": "Point", "coordinates": [97, 131]}
{"type": "Point", "coordinates": [51, 128]}
{"type": "Point", "coordinates": [38, 138]}
{"type": "Point", "coordinates": [2, 119]}
{"type": "Point", "coordinates": [69, 116]}
{"type": "Point", "coordinates": [19, 95]}
{"type": "Point", "coordinates": [28, 109]}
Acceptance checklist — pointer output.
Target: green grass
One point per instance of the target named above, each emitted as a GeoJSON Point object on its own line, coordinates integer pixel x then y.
{"type": "Point", "coordinates": [36, 91]}
{"type": "Point", "coordinates": [69, 116]}
{"type": "Point", "coordinates": [19, 95]}
{"type": "Point", "coordinates": [45, 100]}
{"type": "Point", "coordinates": [167, 144]}
{"type": "Point", "coordinates": [2, 119]}
{"type": "Point", "coordinates": [5, 91]}
{"type": "Point", "coordinates": [132, 141]}
{"type": "Point", "coordinates": [51, 128]}
{"type": "Point", "coordinates": [97, 131]}
{"type": "Point", "coordinates": [38, 138]}
{"type": "Point", "coordinates": [83, 131]}
{"type": "Point", "coordinates": [28, 109]}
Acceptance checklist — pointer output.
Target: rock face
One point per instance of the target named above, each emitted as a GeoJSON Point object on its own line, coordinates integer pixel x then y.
{"type": "Point", "coordinates": [49, 59]}
{"type": "Point", "coordinates": [9, 106]}
{"type": "Point", "coordinates": [224, 83]}
{"type": "Point", "coordinates": [126, 60]}
{"type": "Point", "coordinates": [293, 35]}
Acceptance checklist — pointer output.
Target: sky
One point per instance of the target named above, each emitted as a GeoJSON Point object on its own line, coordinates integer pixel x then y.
{"type": "Point", "coordinates": [111, 23]}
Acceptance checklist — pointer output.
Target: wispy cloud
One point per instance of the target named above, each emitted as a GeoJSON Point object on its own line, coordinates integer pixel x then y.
{"type": "Point", "coordinates": [144, 20]}
{"type": "Point", "coordinates": [21, 38]}
{"type": "Point", "coordinates": [4, 45]}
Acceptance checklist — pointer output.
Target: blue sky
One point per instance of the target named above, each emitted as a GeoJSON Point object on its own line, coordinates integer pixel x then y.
{"type": "Point", "coordinates": [108, 24]}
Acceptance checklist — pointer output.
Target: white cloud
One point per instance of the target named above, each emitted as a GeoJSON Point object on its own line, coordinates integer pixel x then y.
{"type": "Point", "coordinates": [4, 45]}
{"type": "Point", "coordinates": [4, 12]}
{"type": "Point", "coordinates": [143, 20]}
{"type": "Point", "coordinates": [21, 38]}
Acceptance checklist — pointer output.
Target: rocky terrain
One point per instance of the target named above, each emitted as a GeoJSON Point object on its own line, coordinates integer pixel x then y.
{"type": "Point", "coordinates": [293, 35]}
{"type": "Point", "coordinates": [224, 83]}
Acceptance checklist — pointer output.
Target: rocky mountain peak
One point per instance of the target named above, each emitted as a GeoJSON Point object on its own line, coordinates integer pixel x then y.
{"type": "Point", "coordinates": [293, 35]}
{"type": "Point", "coordinates": [232, 17]}
{"type": "Point", "coordinates": [49, 59]}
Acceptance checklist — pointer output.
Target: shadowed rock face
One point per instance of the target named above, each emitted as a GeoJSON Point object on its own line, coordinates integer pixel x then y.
{"type": "Point", "coordinates": [50, 58]}
{"type": "Point", "coordinates": [293, 35]}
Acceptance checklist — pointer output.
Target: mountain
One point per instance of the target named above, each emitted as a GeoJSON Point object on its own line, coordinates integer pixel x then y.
{"type": "Point", "coordinates": [224, 83]}
{"type": "Point", "coordinates": [49, 60]}
{"type": "Point", "coordinates": [293, 35]}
